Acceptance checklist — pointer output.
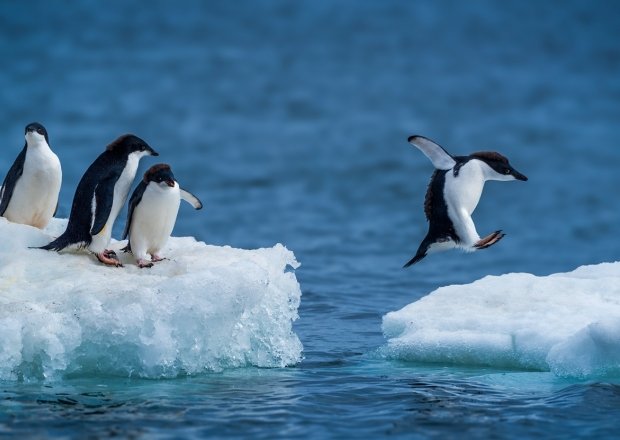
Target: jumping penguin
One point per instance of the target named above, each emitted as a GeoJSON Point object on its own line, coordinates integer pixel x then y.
{"type": "Point", "coordinates": [99, 197]}
{"type": "Point", "coordinates": [453, 194]}
{"type": "Point", "coordinates": [153, 209]}
{"type": "Point", "coordinates": [29, 194]}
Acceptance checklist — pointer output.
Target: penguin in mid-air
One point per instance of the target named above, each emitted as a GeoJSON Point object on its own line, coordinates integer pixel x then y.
{"type": "Point", "coordinates": [153, 209]}
{"type": "Point", "coordinates": [99, 197]}
{"type": "Point", "coordinates": [29, 194]}
{"type": "Point", "coordinates": [453, 194]}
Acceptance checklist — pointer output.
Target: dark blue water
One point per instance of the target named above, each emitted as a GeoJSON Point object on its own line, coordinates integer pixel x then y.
{"type": "Point", "coordinates": [289, 120]}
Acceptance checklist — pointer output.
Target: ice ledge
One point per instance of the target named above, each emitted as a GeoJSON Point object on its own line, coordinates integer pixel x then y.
{"type": "Point", "coordinates": [566, 323]}
{"type": "Point", "coordinates": [203, 309]}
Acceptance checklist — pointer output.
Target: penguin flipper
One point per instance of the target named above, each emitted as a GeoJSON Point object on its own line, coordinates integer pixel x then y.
{"type": "Point", "coordinates": [134, 200]}
{"type": "Point", "coordinates": [104, 198]}
{"type": "Point", "coordinates": [441, 159]}
{"type": "Point", "coordinates": [15, 172]}
{"type": "Point", "coordinates": [191, 199]}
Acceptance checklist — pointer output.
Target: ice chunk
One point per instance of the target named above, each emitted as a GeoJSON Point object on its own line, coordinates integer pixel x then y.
{"type": "Point", "coordinates": [203, 309]}
{"type": "Point", "coordinates": [565, 323]}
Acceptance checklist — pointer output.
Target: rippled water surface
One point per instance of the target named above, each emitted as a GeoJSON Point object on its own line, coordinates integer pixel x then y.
{"type": "Point", "coordinates": [290, 120]}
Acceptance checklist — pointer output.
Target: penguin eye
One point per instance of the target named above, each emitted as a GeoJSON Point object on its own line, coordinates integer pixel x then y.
{"type": "Point", "coordinates": [506, 170]}
{"type": "Point", "coordinates": [40, 130]}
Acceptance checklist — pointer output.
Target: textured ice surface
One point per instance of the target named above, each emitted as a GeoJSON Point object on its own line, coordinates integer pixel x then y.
{"type": "Point", "coordinates": [566, 323]}
{"type": "Point", "coordinates": [206, 308]}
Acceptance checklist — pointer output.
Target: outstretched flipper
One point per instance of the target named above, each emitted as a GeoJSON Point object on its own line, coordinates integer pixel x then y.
{"type": "Point", "coordinates": [191, 199]}
{"type": "Point", "coordinates": [441, 159]}
{"type": "Point", "coordinates": [489, 240]}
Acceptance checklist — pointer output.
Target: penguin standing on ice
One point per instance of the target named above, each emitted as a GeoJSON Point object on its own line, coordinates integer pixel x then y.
{"type": "Point", "coordinates": [153, 209]}
{"type": "Point", "coordinates": [453, 194]}
{"type": "Point", "coordinates": [29, 194]}
{"type": "Point", "coordinates": [99, 197]}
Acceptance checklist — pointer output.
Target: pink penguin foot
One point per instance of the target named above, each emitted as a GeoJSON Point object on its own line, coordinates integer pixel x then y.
{"type": "Point", "coordinates": [109, 257]}
{"type": "Point", "coordinates": [156, 258]}
{"type": "Point", "coordinates": [489, 240]}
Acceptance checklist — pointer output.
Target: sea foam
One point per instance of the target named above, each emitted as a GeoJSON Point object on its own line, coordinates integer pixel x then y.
{"type": "Point", "coordinates": [205, 308]}
{"type": "Point", "coordinates": [567, 323]}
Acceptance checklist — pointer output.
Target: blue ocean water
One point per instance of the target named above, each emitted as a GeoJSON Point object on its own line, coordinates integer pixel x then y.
{"type": "Point", "coordinates": [289, 120]}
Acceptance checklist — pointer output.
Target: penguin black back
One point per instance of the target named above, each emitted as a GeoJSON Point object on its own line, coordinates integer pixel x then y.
{"type": "Point", "coordinates": [436, 211]}
{"type": "Point", "coordinates": [98, 181]}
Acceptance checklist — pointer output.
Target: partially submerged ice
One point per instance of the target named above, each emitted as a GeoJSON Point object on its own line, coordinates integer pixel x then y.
{"type": "Point", "coordinates": [205, 308]}
{"type": "Point", "coordinates": [567, 323]}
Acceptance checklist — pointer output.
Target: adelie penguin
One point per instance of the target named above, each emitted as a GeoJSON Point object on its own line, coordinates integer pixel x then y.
{"type": "Point", "coordinates": [153, 209]}
{"type": "Point", "coordinates": [453, 194]}
{"type": "Point", "coordinates": [29, 193]}
{"type": "Point", "coordinates": [99, 197]}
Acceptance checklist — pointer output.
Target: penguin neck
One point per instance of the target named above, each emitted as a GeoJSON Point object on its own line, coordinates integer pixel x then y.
{"type": "Point", "coordinates": [36, 142]}
{"type": "Point", "coordinates": [132, 164]}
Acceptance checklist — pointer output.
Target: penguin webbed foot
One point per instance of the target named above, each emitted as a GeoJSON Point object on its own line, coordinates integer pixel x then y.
{"type": "Point", "coordinates": [142, 264]}
{"type": "Point", "coordinates": [109, 258]}
{"type": "Point", "coordinates": [489, 240]}
{"type": "Point", "coordinates": [156, 258]}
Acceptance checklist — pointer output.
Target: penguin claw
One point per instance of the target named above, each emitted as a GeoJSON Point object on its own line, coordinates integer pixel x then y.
{"type": "Point", "coordinates": [110, 258]}
{"type": "Point", "coordinates": [156, 258]}
{"type": "Point", "coordinates": [489, 240]}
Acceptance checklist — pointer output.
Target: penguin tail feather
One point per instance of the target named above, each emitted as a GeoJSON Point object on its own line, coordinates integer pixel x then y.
{"type": "Point", "coordinates": [67, 238]}
{"type": "Point", "coordinates": [414, 260]}
{"type": "Point", "coordinates": [57, 245]}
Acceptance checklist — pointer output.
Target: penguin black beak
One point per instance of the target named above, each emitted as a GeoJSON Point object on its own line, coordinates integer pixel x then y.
{"type": "Point", "coordinates": [154, 153]}
{"type": "Point", "coordinates": [517, 175]}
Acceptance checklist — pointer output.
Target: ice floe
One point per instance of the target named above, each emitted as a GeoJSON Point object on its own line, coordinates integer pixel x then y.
{"type": "Point", "coordinates": [567, 323]}
{"type": "Point", "coordinates": [205, 308]}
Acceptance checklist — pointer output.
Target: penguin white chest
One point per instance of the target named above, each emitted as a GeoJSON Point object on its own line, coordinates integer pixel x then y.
{"type": "Point", "coordinates": [35, 195]}
{"type": "Point", "coordinates": [153, 219]}
{"type": "Point", "coordinates": [462, 192]}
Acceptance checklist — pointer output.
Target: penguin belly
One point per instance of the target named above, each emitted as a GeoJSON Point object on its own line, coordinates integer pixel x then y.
{"type": "Point", "coordinates": [462, 194]}
{"type": "Point", "coordinates": [35, 195]}
{"type": "Point", "coordinates": [153, 220]}
{"type": "Point", "coordinates": [100, 241]}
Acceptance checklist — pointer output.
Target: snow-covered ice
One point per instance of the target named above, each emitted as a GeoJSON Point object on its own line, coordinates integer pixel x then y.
{"type": "Point", "coordinates": [567, 323]}
{"type": "Point", "coordinates": [203, 309]}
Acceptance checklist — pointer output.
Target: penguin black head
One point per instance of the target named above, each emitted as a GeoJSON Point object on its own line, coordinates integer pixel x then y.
{"type": "Point", "coordinates": [160, 174]}
{"type": "Point", "coordinates": [129, 143]}
{"type": "Point", "coordinates": [502, 170]}
{"type": "Point", "coordinates": [34, 128]}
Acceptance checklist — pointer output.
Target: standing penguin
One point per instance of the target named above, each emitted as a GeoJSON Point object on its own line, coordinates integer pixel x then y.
{"type": "Point", "coordinates": [153, 209]}
{"type": "Point", "coordinates": [29, 194]}
{"type": "Point", "coordinates": [453, 194]}
{"type": "Point", "coordinates": [99, 197]}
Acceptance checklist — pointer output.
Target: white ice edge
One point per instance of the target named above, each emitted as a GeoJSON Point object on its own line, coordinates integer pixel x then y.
{"type": "Point", "coordinates": [567, 323]}
{"type": "Point", "coordinates": [205, 308]}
